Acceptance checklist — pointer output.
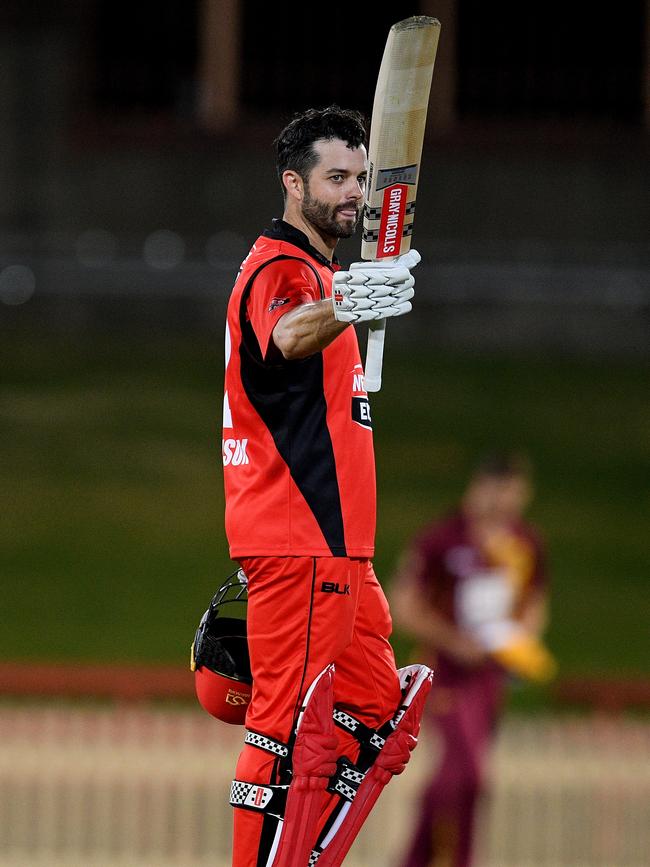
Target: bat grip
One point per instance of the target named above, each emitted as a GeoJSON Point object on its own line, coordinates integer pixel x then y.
{"type": "Point", "coordinates": [375, 355]}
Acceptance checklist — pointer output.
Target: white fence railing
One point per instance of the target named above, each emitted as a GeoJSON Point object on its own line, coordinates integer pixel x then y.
{"type": "Point", "coordinates": [143, 786]}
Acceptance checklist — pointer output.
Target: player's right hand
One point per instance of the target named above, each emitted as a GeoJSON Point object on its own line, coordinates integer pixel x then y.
{"type": "Point", "coordinates": [374, 290]}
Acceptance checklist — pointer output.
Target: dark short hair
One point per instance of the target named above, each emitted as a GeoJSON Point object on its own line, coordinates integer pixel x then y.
{"type": "Point", "coordinates": [503, 464]}
{"type": "Point", "coordinates": [295, 144]}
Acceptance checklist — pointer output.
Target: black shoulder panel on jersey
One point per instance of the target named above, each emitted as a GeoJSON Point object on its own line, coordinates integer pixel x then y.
{"type": "Point", "coordinates": [290, 400]}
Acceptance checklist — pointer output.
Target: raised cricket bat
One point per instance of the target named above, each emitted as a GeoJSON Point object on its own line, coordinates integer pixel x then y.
{"type": "Point", "coordinates": [399, 117]}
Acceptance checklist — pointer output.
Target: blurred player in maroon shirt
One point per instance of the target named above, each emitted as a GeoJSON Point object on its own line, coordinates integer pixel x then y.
{"type": "Point", "coordinates": [472, 590]}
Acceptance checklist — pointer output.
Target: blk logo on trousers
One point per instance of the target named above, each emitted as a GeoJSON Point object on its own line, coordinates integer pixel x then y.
{"type": "Point", "coordinates": [335, 587]}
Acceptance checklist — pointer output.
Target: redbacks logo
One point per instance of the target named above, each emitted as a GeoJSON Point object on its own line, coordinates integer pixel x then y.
{"type": "Point", "coordinates": [360, 403]}
{"type": "Point", "coordinates": [236, 698]}
{"type": "Point", "coordinates": [277, 302]}
{"type": "Point", "coordinates": [391, 227]}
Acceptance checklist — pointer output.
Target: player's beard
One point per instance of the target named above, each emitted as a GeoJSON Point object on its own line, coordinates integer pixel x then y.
{"type": "Point", "coordinates": [324, 217]}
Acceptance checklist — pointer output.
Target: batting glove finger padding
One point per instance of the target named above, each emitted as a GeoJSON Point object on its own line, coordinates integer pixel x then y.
{"type": "Point", "coordinates": [397, 309]}
{"type": "Point", "coordinates": [374, 290]}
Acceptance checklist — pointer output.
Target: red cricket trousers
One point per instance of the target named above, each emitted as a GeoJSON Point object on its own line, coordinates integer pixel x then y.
{"type": "Point", "coordinates": [303, 614]}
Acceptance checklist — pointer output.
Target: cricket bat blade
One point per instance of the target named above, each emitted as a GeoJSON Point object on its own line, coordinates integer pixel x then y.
{"type": "Point", "coordinates": [394, 153]}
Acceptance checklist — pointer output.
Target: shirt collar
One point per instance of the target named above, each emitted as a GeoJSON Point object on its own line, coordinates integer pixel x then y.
{"type": "Point", "coordinates": [283, 231]}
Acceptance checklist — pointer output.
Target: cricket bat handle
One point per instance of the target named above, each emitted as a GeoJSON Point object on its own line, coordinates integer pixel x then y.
{"type": "Point", "coordinates": [375, 355]}
{"type": "Point", "coordinates": [375, 347]}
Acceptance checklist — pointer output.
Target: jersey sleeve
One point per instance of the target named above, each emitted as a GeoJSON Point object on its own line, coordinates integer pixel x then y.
{"type": "Point", "coordinates": [278, 288]}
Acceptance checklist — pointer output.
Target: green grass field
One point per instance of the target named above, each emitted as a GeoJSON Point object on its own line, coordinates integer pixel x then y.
{"type": "Point", "coordinates": [112, 535]}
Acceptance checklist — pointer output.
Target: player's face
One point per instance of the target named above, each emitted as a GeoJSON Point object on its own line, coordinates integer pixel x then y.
{"type": "Point", "coordinates": [333, 193]}
{"type": "Point", "coordinates": [499, 498]}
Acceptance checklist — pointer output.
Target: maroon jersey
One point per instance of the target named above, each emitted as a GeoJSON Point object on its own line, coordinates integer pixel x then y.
{"type": "Point", "coordinates": [472, 584]}
{"type": "Point", "coordinates": [297, 439]}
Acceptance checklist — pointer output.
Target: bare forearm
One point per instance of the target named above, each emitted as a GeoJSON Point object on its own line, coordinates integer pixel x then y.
{"type": "Point", "coordinates": [426, 625]}
{"type": "Point", "coordinates": [430, 627]}
{"type": "Point", "coordinates": [307, 329]}
{"type": "Point", "coordinates": [408, 608]}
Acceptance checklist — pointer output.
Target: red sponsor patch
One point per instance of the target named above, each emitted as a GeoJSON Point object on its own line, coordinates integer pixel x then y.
{"type": "Point", "coordinates": [392, 221]}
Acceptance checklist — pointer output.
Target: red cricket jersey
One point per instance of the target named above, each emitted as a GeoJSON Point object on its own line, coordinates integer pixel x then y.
{"type": "Point", "coordinates": [298, 456]}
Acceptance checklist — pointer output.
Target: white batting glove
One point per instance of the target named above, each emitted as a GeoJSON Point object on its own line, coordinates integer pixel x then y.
{"type": "Point", "coordinates": [374, 290]}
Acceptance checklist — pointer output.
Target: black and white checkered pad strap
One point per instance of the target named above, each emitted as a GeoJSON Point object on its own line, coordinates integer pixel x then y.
{"type": "Point", "coordinates": [346, 780]}
{"type": "Point", "coordinates": [262, 742]}
{"type": "Point", "coordinates": [262, 799]}
{"type": "Point", "coordinates": [366, 736]}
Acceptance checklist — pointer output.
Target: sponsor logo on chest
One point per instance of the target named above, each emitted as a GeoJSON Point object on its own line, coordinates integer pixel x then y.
{"type": "Point", "coordinates": [360, 403]}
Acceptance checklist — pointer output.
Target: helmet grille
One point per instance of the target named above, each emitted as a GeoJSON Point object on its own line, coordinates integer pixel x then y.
{"type": "Point", "coordinates": [223, 649]}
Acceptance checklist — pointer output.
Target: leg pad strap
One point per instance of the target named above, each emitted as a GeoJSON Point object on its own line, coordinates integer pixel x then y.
{"type": "Point", "coordinates": [260, 798]}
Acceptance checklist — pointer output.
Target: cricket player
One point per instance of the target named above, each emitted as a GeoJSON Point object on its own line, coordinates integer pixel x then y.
{"type": "Point", "coordinates": [472, 590]}
{"type": "Point", "coordinates": [330, 718]}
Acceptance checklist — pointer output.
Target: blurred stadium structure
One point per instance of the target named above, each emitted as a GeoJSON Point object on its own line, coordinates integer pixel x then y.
{"type": "Point", "coordinates": [137, 786]}
{"type": "Point", "coordinates": [136, 169]}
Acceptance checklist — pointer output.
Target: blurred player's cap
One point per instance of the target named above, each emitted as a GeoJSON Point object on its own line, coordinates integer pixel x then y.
{"type": "Point", "coordinates": [219, 656]}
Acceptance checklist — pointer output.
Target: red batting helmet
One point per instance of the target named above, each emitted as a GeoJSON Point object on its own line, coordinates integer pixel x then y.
{"type": "Point", "coordinates": [220, 661]}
